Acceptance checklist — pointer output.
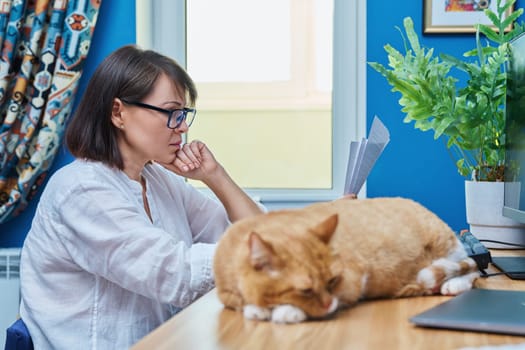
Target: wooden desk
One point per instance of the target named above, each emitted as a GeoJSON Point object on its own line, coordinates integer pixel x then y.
{"type": "Point", "coordinates": [378, 324]}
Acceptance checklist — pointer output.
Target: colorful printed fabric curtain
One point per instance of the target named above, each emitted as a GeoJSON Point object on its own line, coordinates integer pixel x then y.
{"type": "Point", "coordinates": [43, 45]}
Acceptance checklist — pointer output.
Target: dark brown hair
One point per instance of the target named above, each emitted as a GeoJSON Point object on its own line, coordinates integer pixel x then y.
{"type": "Point", "coordinates": [127, 73]}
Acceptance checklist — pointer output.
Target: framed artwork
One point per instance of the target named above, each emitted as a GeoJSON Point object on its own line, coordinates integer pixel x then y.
{"type": "Point", "coordinates": [455, 16]}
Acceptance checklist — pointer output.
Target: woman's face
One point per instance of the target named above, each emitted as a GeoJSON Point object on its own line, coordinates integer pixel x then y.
{"type": "Point", "coordinates": [144, 132]}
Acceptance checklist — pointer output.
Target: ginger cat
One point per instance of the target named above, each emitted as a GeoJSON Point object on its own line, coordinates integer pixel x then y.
{"type": "Point", "coordinates": [290, 265]}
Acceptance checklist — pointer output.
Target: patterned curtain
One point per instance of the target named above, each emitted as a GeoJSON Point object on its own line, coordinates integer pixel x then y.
{"type": "Point", "coordinates": [43, 45]}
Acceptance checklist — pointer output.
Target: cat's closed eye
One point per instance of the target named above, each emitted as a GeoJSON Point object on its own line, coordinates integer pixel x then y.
{"type": "Point", "coordinates": [333, 283]}
{"type": "Point", "coordinates": [308, 292]}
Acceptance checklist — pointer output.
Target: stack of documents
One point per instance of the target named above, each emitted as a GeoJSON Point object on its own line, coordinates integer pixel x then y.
{"type": "Point", "coordinates": [363, 155]}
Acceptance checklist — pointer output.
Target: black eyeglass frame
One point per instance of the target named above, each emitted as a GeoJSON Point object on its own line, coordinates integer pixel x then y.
{"type": "Point", "coordinates": [181, 118]}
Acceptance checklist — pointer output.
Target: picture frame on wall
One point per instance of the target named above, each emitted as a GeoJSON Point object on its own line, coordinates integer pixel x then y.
{"type": "Point", "coordinates": [456, 16]}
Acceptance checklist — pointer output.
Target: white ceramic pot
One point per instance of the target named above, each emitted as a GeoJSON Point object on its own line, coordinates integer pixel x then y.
{"type": "Point", "coordinates": [484, 203]}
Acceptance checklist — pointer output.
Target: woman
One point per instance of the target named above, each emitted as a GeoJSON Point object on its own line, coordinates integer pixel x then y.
{"type": "Point", "coordinates": [120, 241]}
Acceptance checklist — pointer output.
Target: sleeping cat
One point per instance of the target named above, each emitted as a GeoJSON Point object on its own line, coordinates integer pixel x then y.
{"type": "Point", "coordinates": [290, 265]}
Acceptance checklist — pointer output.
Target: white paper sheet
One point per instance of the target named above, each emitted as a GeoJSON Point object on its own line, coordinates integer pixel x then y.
{"type": "Point", "coordinates": [363, 155]}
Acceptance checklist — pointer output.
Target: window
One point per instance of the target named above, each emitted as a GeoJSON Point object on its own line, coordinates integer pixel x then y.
{"type": "Point", "coordinates": [268, 106]}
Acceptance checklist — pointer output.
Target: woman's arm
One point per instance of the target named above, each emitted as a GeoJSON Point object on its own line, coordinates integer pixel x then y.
{"type": "Point", "coordinates": [195, 161]}
{"type": "Point", "coordinates": [237, 203]}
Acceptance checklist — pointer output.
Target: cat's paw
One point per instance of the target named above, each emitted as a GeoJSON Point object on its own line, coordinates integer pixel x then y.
{"type": "Point", "coordinates": [288, 314]}
{"type": "Point", "coordinates": [459, 284]}
{"type": "Point", "coordinates": [254, 312]}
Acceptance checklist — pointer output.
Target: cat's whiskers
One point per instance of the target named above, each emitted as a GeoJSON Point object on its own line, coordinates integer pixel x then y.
{"type": "Point", "coordinates": [274, 273]}
{"type": "Point", "coordinates": [364, 282]}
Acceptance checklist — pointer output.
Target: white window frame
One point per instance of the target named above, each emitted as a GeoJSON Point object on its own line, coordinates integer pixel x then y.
{"type": "Point", "coordinates": [161, 26]}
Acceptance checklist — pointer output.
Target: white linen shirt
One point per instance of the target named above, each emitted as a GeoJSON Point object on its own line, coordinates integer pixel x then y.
{"type": "Point", "coordinates": [97, 273]}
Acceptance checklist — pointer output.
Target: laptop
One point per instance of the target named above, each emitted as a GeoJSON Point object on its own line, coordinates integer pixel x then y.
{"type": "Point", "coordinates": [481, 310]}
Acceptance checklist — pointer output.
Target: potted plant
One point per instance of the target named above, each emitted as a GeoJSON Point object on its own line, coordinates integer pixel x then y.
{"type": "Point", "coordinates": [471, 118]}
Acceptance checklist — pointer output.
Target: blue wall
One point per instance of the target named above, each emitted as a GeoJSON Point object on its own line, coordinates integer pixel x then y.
{"type": "Point", "coordinates": [115, 27]}
{"type": "Point", "coordinates": [413, 165]}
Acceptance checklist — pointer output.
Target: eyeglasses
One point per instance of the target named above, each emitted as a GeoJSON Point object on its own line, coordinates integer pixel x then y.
{"type": "Point", "coordinates": [175, 116]}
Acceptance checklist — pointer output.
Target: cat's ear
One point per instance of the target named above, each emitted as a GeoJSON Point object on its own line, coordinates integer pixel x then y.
{"type": "Point", "coordinates": [325, 230]}
{"type": "Point", "coordinates": [261, 253]}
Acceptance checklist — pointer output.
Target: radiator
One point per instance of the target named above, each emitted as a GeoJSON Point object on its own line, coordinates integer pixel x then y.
{"type": "Point", "coordinates": [9, 289]}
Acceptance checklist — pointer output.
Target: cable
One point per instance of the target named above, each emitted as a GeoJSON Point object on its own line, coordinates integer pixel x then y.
{"type": "Point", "coordinates": [485, 275]}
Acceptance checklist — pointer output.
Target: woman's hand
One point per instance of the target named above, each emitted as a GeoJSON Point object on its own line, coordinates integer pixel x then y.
{"type": "Point", "coordinates": [195, 161]}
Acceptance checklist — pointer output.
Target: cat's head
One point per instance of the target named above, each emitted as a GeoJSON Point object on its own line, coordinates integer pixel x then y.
{"type": "Point", "coordinates": [291, 267]}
